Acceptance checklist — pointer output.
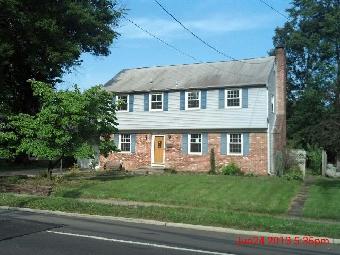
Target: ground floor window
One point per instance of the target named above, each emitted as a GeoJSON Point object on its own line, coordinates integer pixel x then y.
{"type": "Point", "coordinates": [195, 143]}
{"type": "Point", "coordinates": [125, 143]}
{"type": "Point", "coordinates": [235, 144]}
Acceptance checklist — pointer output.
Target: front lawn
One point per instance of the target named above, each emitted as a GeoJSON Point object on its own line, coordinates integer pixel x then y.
{"type": "Point", "coordinates": [222, 218]}
{"type": "Point", "coordinates": [323, 200]}
{"type": "Point", "coordinates": [248, 194]}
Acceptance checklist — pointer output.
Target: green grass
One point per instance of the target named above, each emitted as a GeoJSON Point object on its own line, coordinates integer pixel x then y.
{"type": "Point", "coordinates": [323, 200]}
{"type": "Point", "coordinates": [222, 218]}
{"type": "Point", "coordinates": [248, 194]}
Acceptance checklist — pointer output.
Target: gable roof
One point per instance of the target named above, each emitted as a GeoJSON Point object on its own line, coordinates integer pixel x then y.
{"type": "Point", "coordinates": [193, 76]}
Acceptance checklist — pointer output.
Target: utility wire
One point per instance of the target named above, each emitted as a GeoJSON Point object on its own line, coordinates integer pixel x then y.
{"type": "Point", "coordinates": [161, 40]}
{"type": "Point", "coordinates": [275, 10]}
{"type": "Point", "coordinates": [178, 50]}
{"type": "Point", "coordinates": [199, 38]}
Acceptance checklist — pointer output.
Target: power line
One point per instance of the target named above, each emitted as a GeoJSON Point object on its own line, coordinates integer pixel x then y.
{"type": "Point", "coordinates": [199, 38]}
{"type": "Point", "coordinates": [275, 10]}
{"type": "Point", "coordinates": [187, 29]}
{"type": "Point", "coordinates": [162, 41]}
{"type": "Point", "coordinates": [178, 50]}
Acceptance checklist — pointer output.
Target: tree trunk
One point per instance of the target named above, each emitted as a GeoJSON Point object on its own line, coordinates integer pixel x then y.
{"type": "Point", "coordinates": [49, 170]}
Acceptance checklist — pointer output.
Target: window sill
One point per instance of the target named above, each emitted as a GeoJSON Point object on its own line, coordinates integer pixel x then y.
{"type": "Point", "coordinates": [233, 107]}
{"type": "Point", "coordinates": [192, 109]}
{"type": "Point", "coordinates": [195, 153]}
{"type": "Point", "coordinates": [156, 110]}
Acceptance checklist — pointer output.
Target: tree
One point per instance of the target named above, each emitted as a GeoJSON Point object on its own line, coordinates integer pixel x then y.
{"type": "Point", "coordinates": [43, 39]}
{"type": "Point", "coordinates": [70, 123]}
{"type": "Point", "coordinates": [312, 41]}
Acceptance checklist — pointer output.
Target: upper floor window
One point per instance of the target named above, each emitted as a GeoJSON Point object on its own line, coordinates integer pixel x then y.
{"type": "Point", "coordinates": [233, 98]}
{"type": "Point", "coordinates": [125, 142]}
{"type": "Point", "coordinates": [156, 102]}
{"type": "Point", "coordinates": [195, 143]}
{"type": "Point", "coordinates": [235, 144]}
{"type": "Point", "coordinates": [193, 99]}
{"type": "Point", "coordinates": [273, 104]}
{"type": "Point", "coordinates": [122, 103]}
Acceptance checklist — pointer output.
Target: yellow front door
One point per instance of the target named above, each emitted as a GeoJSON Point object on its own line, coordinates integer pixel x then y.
{"type": "Point", "coordinates": [158, 150]}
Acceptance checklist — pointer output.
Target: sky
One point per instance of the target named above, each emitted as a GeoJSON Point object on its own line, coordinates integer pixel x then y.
{"type": "Point", "coordinates": [239, 28]}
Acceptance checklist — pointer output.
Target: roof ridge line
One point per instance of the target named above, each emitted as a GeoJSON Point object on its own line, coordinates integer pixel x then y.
{"type": "Point", "coordinates": [200, 63]}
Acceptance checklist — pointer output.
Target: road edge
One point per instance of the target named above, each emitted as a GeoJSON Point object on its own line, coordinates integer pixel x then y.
{"type": "Point", "coordinates": [166, 224]}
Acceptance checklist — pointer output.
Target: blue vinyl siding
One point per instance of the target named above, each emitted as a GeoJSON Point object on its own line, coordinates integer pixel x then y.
{"type": "Point", "coordinates": [213, 117]}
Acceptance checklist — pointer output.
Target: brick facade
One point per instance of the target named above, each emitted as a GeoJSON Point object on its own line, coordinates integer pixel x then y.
{"type": "Point", "coordinates": [255, 162]}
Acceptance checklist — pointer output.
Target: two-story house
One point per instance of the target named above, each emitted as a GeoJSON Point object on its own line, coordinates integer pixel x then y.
{"type": "Point", "coordinates": [172, 116]}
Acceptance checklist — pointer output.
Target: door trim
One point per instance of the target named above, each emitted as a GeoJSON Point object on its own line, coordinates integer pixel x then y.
{"type": "Point", "coordinates": [153, 151]}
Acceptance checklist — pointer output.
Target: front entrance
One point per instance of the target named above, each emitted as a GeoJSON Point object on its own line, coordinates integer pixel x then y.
{"type": "Point", "coordinates": [158, 150]}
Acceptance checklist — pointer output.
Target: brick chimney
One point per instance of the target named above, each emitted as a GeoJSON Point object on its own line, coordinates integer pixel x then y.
{"type": "Point", "coordinates": [281, 97]}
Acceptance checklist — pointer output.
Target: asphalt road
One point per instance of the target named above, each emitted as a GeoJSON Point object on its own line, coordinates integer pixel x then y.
{"type": "Point", "coordinates": [28, 233]}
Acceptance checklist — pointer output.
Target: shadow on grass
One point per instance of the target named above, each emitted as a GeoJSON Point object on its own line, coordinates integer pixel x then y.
{"type": "Point", "coordinates": [328, 183]}
{"type": "Point", "coordinates": [110, 177]}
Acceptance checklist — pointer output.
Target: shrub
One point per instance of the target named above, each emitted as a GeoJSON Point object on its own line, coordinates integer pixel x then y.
{"type": "Point", "coordinates": [314, 155]}
{"type": "Point", "coordinates": [250, 174]}
{"type": "Point", "coordinates": [293, 173]}
{"type": "Point", "coordinates": [43, 174]}
{"type": "Point", "coordinates": [212, 162]}
{"type": "Point", "coordinates": [170, 171]}
{"type": "Point", "coordinates": [231, 169]}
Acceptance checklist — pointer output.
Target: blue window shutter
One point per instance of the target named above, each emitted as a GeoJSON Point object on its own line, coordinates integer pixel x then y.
{"type": "Point", "coordinates": [185, 143]}
{"type": "Point", "coordinates": [146, 102]}
{"type": "Point", "coordinates": [182, 101]}
{"type": "Point", "coordinates": [116, 140]}
{"type": "Point", "coordinates": [223, 144]}
{"type": "Point", "coordinates": [114, 99]}
{"type": "Point", "coordinates": [205, 143]}
{"type": "Point", "coordinates": [165, 101]}
{"type": "Point", "coordinates": [221, 98]}
{"type": "Point", "coordinates": [245, 144]}
{"type": "Point", "coordinates": [203, 99]}
{"type": "Point", "coordinates": [245, 98]}
{"type": "Point", "coordinates": [133, 143]}
{"type": "Point", "coordinates": [131, 101]}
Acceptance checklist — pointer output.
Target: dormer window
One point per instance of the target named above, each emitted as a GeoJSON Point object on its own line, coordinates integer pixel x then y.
{"type": "Point", "coordinates": [193, 99]}
{"type": "Point", "coordinates": [156, 102]}
{"type": "Point", "coordinates": [233, 98]}
{"type": "Point", "coordinates": [122, 103]}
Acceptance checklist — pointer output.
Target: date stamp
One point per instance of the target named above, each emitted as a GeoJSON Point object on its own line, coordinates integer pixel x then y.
{"type": "Point", "coordinates": [282, 240]}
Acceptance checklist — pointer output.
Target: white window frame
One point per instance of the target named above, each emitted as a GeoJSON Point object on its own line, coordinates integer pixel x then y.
{"type": "Point", "coordinates": [187, 101]}
{"type": "Point", "coordinates": [127, 102]}
{"type": "Point", "coordinates": [226, 99]}
{"type": "Point", "coordinates": [120, 143]}
{"type": "Point", "coordinates": [272, 104]}
{"type": "Point", "coordinates": [189, 144]}
{"type": "Point", "coordinates": [150, 102]}
{"type": "Point", "coordinates": [228, 145]}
